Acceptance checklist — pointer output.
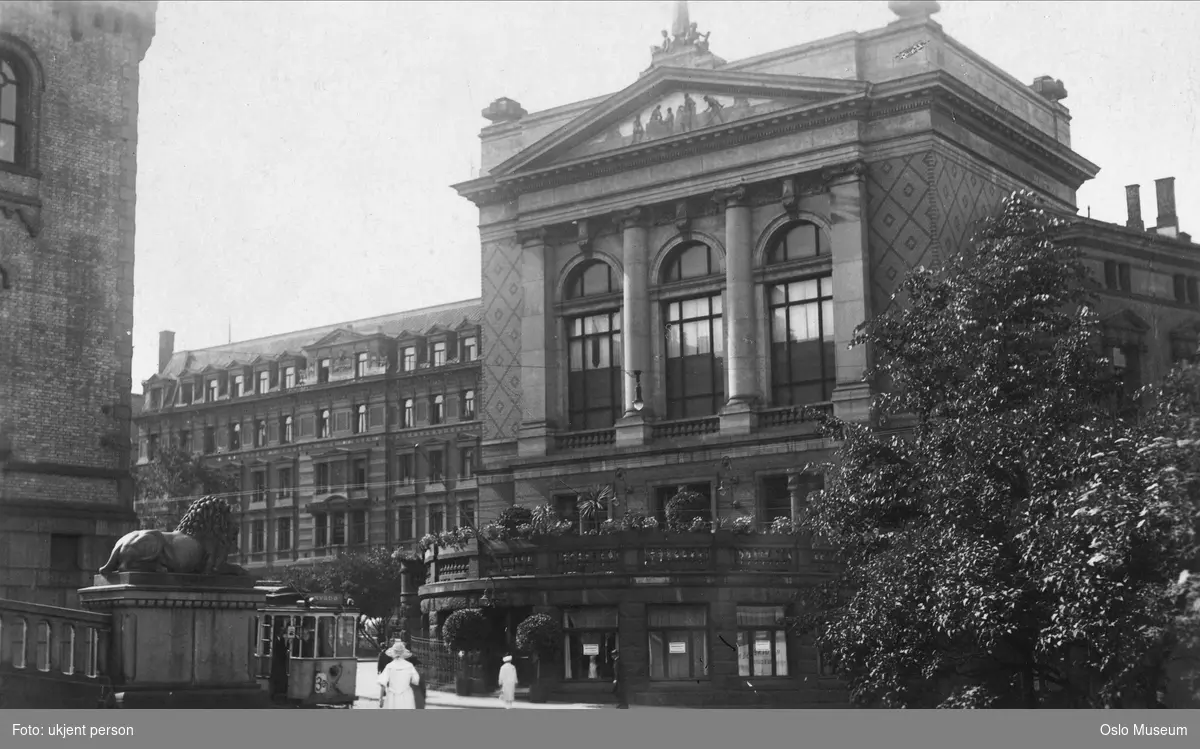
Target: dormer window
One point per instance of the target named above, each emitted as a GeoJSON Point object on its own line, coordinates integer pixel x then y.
{"type": "Point", "coordinates": [264, 381]}
{"type": "Point", "coordinates": [289, 377]}
{"type": "Point", "coordinates": [239, 386]}
{"type": "Point", "coordinates": [360, 364]}
{"type": "Point", "coordinates": [437, 353]}
{"type": "Point", "coordinates": [470, 348]}
{"type": "Point", "coordinates": [214, 390]}
{"type": "Point", "coordinates": [323, 370]}
{"type": "Point", "coordinates": [186, 395]}
{"type": "Point", "coordinates": [156, 398]}
{"type": "Point", "coordinates": [408, 359]}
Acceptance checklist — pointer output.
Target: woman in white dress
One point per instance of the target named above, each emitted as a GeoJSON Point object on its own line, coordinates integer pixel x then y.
{"type": "Point", "coordinates": [508, 682]}
{"type": "Point", "coordinates": [398, 679]}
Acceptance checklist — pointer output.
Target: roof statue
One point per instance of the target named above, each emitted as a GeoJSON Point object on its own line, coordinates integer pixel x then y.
{"type": "Point", "coordinates": [683, 39]}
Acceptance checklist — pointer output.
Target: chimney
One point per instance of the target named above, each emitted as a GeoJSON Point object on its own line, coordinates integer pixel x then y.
{"type": "Point", "coordinates": [1133, 204]}
{"type": "Point", "coordinates": [166, 348]}
{"type": "Point", "coordinates": [1168, 222]}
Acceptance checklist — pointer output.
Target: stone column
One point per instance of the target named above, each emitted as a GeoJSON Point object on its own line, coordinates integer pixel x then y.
{"type": "Point", "coordinates": [851, 289]}
{"type": "Point", "coordinates": [635, 326]}
{"type": "Point", "coordinates": [741, 328]}
{"type": "Point", "coordinates": [536, 323]}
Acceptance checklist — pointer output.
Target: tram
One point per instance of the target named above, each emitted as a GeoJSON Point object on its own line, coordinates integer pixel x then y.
{"type": "Point", "coordinates": [305, 649]}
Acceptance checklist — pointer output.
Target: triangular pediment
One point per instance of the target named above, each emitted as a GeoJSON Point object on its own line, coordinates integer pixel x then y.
{"type": "Point", "coordinates": [1126, 321]}
{"type": "Point", "coordinates": [675, 103]}
{"type": "Point", "coordinates": [341, 335]}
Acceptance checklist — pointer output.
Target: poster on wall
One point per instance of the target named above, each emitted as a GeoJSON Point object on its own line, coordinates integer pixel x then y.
{"type": "Point", "coordinates": [678, 647]}
{"type": "Point", "coordinates": [591, 650]}
{"type": "Point", "coordinates": [762, 646]}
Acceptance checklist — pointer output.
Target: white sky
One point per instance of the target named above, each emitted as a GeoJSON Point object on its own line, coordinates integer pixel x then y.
{"type": "Point", "coordinates": [295, 158]}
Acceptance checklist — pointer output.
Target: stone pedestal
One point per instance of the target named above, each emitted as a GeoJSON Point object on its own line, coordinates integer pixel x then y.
{"type": "Point", "coordinates": [632, 430]}
{"type": "Point", "coordinates": [738, 418]}
{"type": "Point", "coordinates": [180, 641]}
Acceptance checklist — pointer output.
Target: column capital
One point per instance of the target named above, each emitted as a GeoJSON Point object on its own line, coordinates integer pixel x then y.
{"type": "Point", "coordinates": [839, 174]}
{"type": "Point", "coordinates": [536, 235]}
{"type": "Point", "coordinates": [633, 218]}
{"type": "Point", "coordinates": [732, 197]}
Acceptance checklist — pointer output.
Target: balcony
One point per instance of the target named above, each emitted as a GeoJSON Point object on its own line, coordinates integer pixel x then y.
{"type": "Point", "coordinates": [53, 657]}
{"type": "Point", "coordinates": [624, 558]}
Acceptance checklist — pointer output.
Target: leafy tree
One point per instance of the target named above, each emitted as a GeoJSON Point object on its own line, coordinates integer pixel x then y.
{"type": "Point", "coordinates": [372, 579]}
{"type": "Point", "coordinates": [164, 487]}
{"type": "Point", "coordinates": [1004, 551]}
{"type": "Point", "coordinates": [467, 629]}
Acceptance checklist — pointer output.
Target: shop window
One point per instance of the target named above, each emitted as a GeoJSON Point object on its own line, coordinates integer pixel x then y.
{"type": "Point", "coordinates": [678, 642]}
{"type": "Point", "coordinates": [761, 641]}
{"type": "Point", "coordinates": [590, 638]}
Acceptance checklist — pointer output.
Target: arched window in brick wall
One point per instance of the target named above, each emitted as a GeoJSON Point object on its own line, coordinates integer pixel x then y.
{"type": "Point", "coordinates": [20, 104]}
{"type": "Point", "coordinates": [592, 313]}
{"type": "Point", "coordinates": [799, 294]}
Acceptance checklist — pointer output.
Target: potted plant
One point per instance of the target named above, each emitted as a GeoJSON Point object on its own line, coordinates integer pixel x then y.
{"type": "Point", "coordinates": [465, 631]}
{"type": "Point", "coordinates": [539, 635]}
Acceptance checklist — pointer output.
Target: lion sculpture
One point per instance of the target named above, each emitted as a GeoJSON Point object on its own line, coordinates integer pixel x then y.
{"type": "Point", "coordinates": [199, 545]}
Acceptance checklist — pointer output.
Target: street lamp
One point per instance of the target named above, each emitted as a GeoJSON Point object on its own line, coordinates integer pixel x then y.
{"type": "Point", "coordinates": [638, 405]}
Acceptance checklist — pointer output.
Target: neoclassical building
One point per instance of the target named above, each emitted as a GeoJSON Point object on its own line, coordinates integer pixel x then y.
{"type": "Point", "coordinates": [671, 277]}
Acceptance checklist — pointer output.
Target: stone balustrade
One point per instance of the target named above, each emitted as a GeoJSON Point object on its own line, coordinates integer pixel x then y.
{"type": "Point", "coordinates": [51, 656]}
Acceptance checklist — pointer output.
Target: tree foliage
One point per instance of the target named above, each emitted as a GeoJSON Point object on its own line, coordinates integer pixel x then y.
{"type": "Point", "coordinates": [1005, 550]}
{"type": "Point", "coordinates": [539, 634]}
{"type": "Point", "coordinates": [467, 629]}
{"type": "Point", "coordinates": [164, 487]}
{"type": "Point", "coordinates": [372, 579]}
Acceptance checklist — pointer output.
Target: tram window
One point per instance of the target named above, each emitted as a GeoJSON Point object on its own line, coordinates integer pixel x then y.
{"type": "Point", "coordinates": [297, 629]}
{"type": "Point", "coordinates": [308, 637]}
{"type": "Point", "coordinates": [326, 636]}
{"type": "Point", "coordinates": [345, 643]}
{"type": "Point", "coordinates": [264, 635]}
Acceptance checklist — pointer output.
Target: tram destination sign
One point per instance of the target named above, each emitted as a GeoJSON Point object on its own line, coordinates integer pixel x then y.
{"type": "Point", "coordinates": [327, 599]}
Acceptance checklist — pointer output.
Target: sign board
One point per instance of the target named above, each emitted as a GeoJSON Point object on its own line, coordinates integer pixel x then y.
{"type": "Point", "coordinates": [678, 647]}
{"type": "Point", "coordinates": [651, 580]}
{"type": "Point", "coordinates": [291, 633]}
{"type": "Point", "coordinates": [325, 599]}
{"type": "Point", "coordinates": [591, 650]}
{"type": "Point", "coordinates": [762, 646]}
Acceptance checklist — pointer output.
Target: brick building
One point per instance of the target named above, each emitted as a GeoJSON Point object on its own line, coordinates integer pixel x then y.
{"type": "Point", "coordinates": [342, 437]}
{"type": "Point", "coordinates": [68, 168]}
{"type": "Point", "coordinates": [672, 272]}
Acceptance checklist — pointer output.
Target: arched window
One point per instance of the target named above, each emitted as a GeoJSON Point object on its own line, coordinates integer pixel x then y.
{"type": "Point", "coordinates": [797, 242]}
{"type": "Point", "coordinates": [695, 331]}
{"type": "Point", "coordinates": [688, 261]}
{"type": "Point", "coordinates": [360, 419]}
{"type": "Point", "coordinates": [323, 424]}
{"type": "Point", "coordinates": [593, 278]}
{"type": "Point", "coordinates": [43, 646]}
{"type": "Point", "coordinates": [287, 429]}
{"type": "Point", "coordinates": [66, 659]}
{"type": "Point", "coordinates": [593, 349]}
{"type": "Point", "coordinates": [801, 320]}
{"type": "Point", "coordinates": [13, 125]}
{"type": "Point", "coordinates": [410, 414]}
{"type": "Point", "coordinates": [437, 412]}
{"type": "Point", "coordinates": [17, 647]}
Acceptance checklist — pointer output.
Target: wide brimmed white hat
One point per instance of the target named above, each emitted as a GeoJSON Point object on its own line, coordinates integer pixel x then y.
{"type": "Point", "coordinates": [508, 659]}
{"type": "Point", "coordinates": [398, 650]}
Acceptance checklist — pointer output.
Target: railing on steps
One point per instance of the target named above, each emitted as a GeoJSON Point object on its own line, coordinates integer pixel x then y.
{"type": "Point", "coordinates": [52, 657]}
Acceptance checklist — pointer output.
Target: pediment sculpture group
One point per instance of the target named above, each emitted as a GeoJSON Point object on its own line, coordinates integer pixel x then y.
{"type": "Point", "coordinates": [685, 119]}
{"type": "Point", "coordinates": [691, 37]}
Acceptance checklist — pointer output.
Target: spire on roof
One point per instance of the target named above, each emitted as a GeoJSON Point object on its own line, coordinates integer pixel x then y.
{"type": "Point", "coordinates": [680, 27]}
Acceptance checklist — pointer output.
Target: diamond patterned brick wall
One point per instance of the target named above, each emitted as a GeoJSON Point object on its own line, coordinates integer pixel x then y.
{"type": "Point", "coordinates": [923, 206]}
{"type": "Point", "coordinates": [500, 330]}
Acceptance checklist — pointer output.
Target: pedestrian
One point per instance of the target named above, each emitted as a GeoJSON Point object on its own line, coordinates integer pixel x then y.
{"type": "Point", "coordinates": [508, 682]}
{"type": "Point", "coordinates": [619, 681]}
{"type": "Point", "coordinates": [418, 689]}
{"type": "Point", "coordinates": [398, 679]}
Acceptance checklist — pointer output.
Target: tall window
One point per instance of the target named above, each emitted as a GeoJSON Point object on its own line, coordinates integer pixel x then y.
{"type": "Point", "coordinates": [774, 499]}
{"type": "Point", "coordinates": [283, 534]}
{"type": "Point", "coordinates": [409, 416]}
{"type": "Point", "coordinates": [285, 430]}
{"type": "Point", "coordinates": [210, 440]}
{"type": "Point", "coordinates": [235, 437]}
{"type": "Point", "coordinates": [264, 382]}
{"type": "Point", "coordinates": [678, 641]}
{"type": "Point", "coordinates": [321, 478]}
{"type": "Point", "coordinates": [285, 483]}
{"type": "Point", "coordinates": [761, 641]}
{"type": "Point", "coordinates": [214, 389]}
{"type": "Point", "coordinates": [323, 370]}
{"type": "Point", "coordinates": [436, 469]}
{"type": "Point", "coordinates": [239, 386]}
{"type": "Point", "coordinates": [360, 364]}
{"type": "Point", "coordinates": [468, 405]}
{"type": "Point", "coordinates": [360, 418]}
{"type": "Point", "coordinates": [406, 530]}
{"type": "Point", "coordinates": [360, 473]}
{"type": "Point", "coordinates": [593, 348]}
{"type": "Point", "coordinates": [323, 424]}
{"type": "Point", "coordinates": [320, 530]}
{"type": "Point", "coordinates": [337, 530]}
{"type": "Point", "coordinates": [260, 433]}
{"type": "Point", "coordinates": [260, 486]}
{"type": "Point", "coordinates": [408, 359]}
{"type": "Point", "coordinates": [590, 637]}
{"type": "Point", "coordinates": [438, 351]}
{"type": "Point", "coordinates": [437, 409]}
{"type": "Point", "coordinates": [466, 513]}
{"type": "Point", "coordinates": [466, 458]}
{"type": "Point", "coordinates": [185, 440]}
{"type": "Point", "coordinates": [802, 346]}
{"type": "Point", "coordinates": [358, 527]}
{"type": "Point", "coordinates": [289, 377]}
{"type": "Point", "coordinates": [664, 494]}
{"type": "Point", "coordinates": [258, 536]}
{"type": "Point", "coordinates": [470, 348]}
{"type": "Point", "coordinates": [404, 472]}
{"type": "Point", "coordinates": [12, 96]}
{"type": "Point", "coordinates": [437, 519]}
{"type": "Point", "coordinates": [695, 357]}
